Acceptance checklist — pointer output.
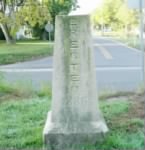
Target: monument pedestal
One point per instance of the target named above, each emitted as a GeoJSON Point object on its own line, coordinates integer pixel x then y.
{"type": "Point", "coordinates": [74, 136]}
{"type": "Point", "coordinates": [75, 119]}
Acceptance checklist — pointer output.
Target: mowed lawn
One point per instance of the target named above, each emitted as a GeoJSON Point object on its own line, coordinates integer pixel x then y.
{"type": "Point", "coordinates": [19, 52]}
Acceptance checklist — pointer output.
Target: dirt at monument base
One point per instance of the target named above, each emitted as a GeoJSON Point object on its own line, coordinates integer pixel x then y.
{"type": "Point", "coordinates": [138, 107]}
{"type": "Point", "coordinates": [130, 120]}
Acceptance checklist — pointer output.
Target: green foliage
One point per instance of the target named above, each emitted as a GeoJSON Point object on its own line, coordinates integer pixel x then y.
{"type": "Point", "coordinates": [115, 14]}
{"type": "Point", "coordinates": [32, 13]}
{"type": "Point", "coordinates": [60, 6]}
{"type": "Point", "coordinates": [106, 14]}
{"type": "Point", "coordinates": [127, 16]}
{"type": "Point", "coordinates": [28, 12]}
{"type": "Point", "coordinates": [3, 18]}
{"type": "Point", "coordinates": [56, 7]}
{"type": "Point", "coordinates": [38, 31]}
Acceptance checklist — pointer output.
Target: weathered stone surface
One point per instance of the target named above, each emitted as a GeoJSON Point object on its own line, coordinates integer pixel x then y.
{"type": "Point", "coordinates": [75, 118]}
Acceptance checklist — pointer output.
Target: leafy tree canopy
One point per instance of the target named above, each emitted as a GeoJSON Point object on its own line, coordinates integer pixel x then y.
{"type": "Point", "coordinates": [115, 13]}
{"type": "Point", "coordinates": [15, 13]}
{"type": "Point", "coordinates": [60, 7]}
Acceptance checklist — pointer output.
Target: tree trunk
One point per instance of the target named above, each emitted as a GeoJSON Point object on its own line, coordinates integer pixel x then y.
{"type": "Point", "coordinates": [5, 30]}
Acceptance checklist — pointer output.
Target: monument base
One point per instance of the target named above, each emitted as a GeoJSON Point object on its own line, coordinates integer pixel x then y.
{"type": "Point", "coordinates": [59, 136]}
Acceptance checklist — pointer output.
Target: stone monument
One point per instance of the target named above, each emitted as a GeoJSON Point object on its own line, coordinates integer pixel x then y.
{"type": "Point", "coordinates": [75, 118]}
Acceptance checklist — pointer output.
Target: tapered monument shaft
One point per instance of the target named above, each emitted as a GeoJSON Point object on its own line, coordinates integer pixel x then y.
{"type": "Point", "coordinates": [75, 118]}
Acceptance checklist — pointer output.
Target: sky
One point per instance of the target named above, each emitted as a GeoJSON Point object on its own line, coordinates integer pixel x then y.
{"type": "Point", "coordinates": [86, 6]}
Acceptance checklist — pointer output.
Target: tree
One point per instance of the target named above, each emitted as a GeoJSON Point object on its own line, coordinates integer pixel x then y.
{"type": "Point", "coordinates": [57, 7]}
{"type": "Point", "coordinates": [60, 7]}
{"type": "Point", "coordinates": [16, 13]}
{"type": "Point", "coordinates": [106, 15]}
{"type": "Point", "coordinates": [34, 14]}
{"type": "Point", "coordinates": [127, 17]}
{"type": "Point", "coordinates": [7, 9]}
{"type": "Point", "coordinates": [116, 15]}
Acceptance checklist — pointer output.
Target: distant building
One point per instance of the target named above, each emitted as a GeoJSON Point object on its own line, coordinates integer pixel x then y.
{"type": "Point", "coordinates": [24, 33]}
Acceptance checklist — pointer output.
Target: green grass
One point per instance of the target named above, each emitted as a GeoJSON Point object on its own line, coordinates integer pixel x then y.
{"type": "Point", "coordinates": [23, 112]}
{"type": "Point", "coordinates": [115, 108]}
{"type": "Point", "coordinates": [22, 90]}
{"type": "Point", "coordinates": [22, 122]}
{"type": "Point", "coordinates": [16, 90]}
{"type": "Point", "coordinates": [24, 51]}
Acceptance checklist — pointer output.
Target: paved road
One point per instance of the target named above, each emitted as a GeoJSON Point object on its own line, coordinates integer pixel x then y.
{"type": "Point", "coordinates": [118, 67]}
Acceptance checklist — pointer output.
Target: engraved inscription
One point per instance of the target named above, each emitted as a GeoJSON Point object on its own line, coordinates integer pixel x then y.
{"type": "Point", "coordinates": [74, 66]}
